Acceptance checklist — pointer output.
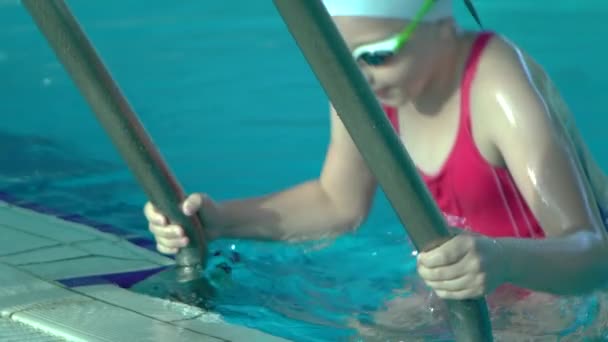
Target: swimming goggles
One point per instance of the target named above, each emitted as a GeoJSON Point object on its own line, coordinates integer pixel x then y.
{"type": "Point", "coordinates": [378, 53]}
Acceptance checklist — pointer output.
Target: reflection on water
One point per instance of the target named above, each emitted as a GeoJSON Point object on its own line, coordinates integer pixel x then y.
{"type": "Point", "coordinates": [411, 313]}
{"type": "Point", "coordinates": [539, 318]}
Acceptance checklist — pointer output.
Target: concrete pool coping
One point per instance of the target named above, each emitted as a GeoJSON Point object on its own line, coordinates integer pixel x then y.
{"type": "Point", "coordinates": [54, 286]}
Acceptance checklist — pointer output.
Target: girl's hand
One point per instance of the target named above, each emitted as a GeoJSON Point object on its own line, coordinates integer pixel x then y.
{"type": "Point", "coordinates": [464, 267]}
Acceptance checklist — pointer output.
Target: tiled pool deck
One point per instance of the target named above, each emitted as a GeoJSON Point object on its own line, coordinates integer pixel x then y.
{"type": "Point", "coordinates": [58, 281]}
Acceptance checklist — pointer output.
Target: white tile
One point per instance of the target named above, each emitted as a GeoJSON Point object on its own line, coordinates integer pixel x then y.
{"type": "Point", "coordinates": [15, 241]}
{"type": "Point", "coordinates": [37, 296]}
{"type": "Point", "coordinates": [181, 314]}
{"type": "Point", "coordinates": [44, 255]}
{"type": "Point", "coordinates": [120, 315]}
{"type": "Point", "coordinates": [16, 331]}
{"type": "Point", "coordinates": [43, 225]}
{"type": "Point", "coordinates": [82, 230]}
{"type": "Point", "coordinates": [13, 278]}
{"type": "Point", "coordinates": [228, 331]}
{"type": "Point", "coordinates": [97, 321]}
{"type": "Point", "coordinates": [92, 265]}
{"type": "Point", "coordinates": [160, 309]}
{"type": "Point", "coordinates": [52, 228]}
{"type": "Point", "coordinates": [122, 249]}
{"type": "Point", "coordinates": [62, 312]}
{"type": "Point", "coordinates": [19, 290]}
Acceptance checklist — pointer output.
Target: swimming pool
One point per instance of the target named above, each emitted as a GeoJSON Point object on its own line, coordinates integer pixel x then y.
{"type": "Point", "coordinates": [229, 100]}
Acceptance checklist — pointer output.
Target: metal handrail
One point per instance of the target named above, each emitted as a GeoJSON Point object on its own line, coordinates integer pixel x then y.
{"type": "Point", "coordinates": [79, 57]}
{"type": "Point", "coordinates": [340, 76]}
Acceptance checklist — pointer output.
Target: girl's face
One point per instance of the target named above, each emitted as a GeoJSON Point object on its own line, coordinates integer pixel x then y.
{"type": "Point", "coordinates": [396, 75]}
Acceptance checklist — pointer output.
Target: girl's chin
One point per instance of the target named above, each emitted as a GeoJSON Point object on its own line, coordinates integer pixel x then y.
{"type": "Point", "coordinates": [393, 101]}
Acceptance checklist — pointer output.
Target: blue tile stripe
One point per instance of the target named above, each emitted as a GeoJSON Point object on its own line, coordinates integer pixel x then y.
{"type": "Point", "coordinates": [123, 279]}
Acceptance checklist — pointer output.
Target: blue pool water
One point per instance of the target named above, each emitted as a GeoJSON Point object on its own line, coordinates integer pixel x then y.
{"type": "Point", "coordinates": [236, 111]}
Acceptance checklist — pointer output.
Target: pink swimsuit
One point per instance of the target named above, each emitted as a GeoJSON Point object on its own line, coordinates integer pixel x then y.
{"type": "Point", "coordinates": [471, 193]}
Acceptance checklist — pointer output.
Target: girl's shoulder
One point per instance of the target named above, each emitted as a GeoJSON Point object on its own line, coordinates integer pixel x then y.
{"type": "Point", "coordinates": [565, 123]}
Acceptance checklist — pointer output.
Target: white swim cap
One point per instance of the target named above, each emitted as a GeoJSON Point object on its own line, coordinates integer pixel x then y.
{"type": "Point", "coordinates": [396, 9]}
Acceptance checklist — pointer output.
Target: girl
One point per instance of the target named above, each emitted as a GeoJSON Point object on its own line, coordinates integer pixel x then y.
{"type": "Point", "coordinates": [491, 138]}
